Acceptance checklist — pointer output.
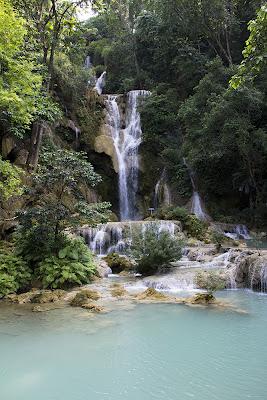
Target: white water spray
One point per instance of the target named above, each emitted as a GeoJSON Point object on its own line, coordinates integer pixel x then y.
{"type": "Point", "coordinates": [100, 83]}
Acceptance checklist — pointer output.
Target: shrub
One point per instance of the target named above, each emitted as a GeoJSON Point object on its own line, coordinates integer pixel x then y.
{"type": "Point", "coordinates": [218, 238]}
{"type": "Point", "coordinates": [173, 213]}
{"type": "Point", "coordinates": [72, 266]}
{"type": "Point", "coordinates": [210, 281]}
{"type": "Point", "coordinates": [194, 226]}
{"type": "Point", "coordinates": [117, 263]}
{"type": "Point", "coordinates": [14, 274]}
{"type": "Point", "coordinates": [154, 250]}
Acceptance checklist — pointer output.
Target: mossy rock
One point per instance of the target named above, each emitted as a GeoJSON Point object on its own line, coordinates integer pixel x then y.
{"type": "Point", "coordinates": [48, 297]}
{"type": "Point", "coordinates": [118, 263]}
{"type": "Point", "coordinates": [22, 298]}
{"type": "Point", "coordinates": [152, 294]}
{"type": "Point", "coordinates": [91, 294]}
{"type": "Point", "coordinates": [202, 298]}
{"type": "Point", "coordinates": [83, 296]}
{"type": "Point", "coordinates": [118, 291]}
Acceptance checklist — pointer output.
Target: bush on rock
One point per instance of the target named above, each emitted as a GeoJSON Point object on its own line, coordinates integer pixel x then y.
{"type": "Point", "coordinates": [153, 250]}
{"type": "Point", "coordinates": [210, 281]}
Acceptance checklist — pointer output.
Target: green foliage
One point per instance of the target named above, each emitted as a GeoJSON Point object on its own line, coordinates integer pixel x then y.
{"type": "Point", "coordinates": [73, 265]}
{"type": "Point", "coordinates": [117, 263]}
{"type": "Point", "coordinates": [10, 181]}
{"type": "Point", "coordinates": [225, 132]}
{"type": "Point", "coordinates": [255, 52]}
{"type": "Point", "coordinates": [218, 238]}
{"type": "Point", "coordinates": [14, 273]}
{"type": "Point", "coordinates": [19, 83]}
{"type": "Point", "coordinates": [58, 201]}
{"type": "Point", "coordinates": [210, 281]}
{"type": "Point", "coordinates": [173, 213]}
{"type": "Point", "coordinates": [90, 122]}
{"type": "Point", "coordinates": [195, 227]}
{"type": "Point", "coordinates": [154, 250]}
{"type": "Point", "coordinates": [190, 223]}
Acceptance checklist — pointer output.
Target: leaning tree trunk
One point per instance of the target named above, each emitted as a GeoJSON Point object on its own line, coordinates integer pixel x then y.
{"type": "Point", "coordinates": [36, 140]}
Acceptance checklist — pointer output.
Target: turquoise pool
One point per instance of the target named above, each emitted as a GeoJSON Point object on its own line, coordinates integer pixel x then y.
{"type": "Point", "coordinates": [161, 352]}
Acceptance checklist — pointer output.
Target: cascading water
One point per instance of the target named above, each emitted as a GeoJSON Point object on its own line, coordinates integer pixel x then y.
{"type": "Point", "coordinates": [126, 143]}
{"type": "Point", "coordinates": [162, 194]}
{"type": "Point", "coordinates": [117, 236]}
{"type": "Point", "coordinates": [197, 207]}
{"type": "Point", "coordinates": [87, 62]}
{"type": "Point", "coordinates": [132, 141]}
{"type": "Point", "coordinates": [238, 232]}
{"type": "Point", "coordinates": [100, 83]}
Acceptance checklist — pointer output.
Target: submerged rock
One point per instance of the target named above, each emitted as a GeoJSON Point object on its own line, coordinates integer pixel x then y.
{"type": "Point", "coordinates": [93, 307]}
{"type": "Point", "coordinates": [45, 308]}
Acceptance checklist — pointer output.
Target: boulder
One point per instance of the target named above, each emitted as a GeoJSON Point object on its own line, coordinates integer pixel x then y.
{"type": "Point", "coordinates": [118, 290]}
{"type": "Point", "coordinates": [201, 298]}
{"type": "Point", "coordinates": [82, 297]}
{"type": "Point", "coordinates": [102, 269]}
{"type": "Point", "coordinates": [152, 294]}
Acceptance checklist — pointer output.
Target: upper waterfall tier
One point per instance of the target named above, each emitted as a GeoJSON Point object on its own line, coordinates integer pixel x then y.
{"type": "Point", "coordinates": [126, 144]}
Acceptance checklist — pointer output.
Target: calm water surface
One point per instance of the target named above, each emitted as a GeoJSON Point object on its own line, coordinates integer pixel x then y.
{"type": "Point", "coordinates": [161, 352]}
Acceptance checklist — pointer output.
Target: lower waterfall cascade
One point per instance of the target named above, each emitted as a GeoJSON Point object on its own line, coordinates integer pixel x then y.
{"type": "Point", "coordinates": [117, 236]}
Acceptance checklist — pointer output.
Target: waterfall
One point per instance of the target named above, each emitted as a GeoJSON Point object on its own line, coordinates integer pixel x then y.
{"type": "Point", "coordinates": [132, 141]}
{"type": "Point", "coordinates": [100, 83]}
{"type": "Point", "coordinates": [114, 120]}
{"type": "Point", "coordinates": [126, 143]}
{"type": "Point", "coordinates": [117, 236]}
{"type": "Point", "coordinates": [162, 195]}
{"type": "Point", "coordinates": [238, 232]}
{"type": "Point", "coordinates": [182, 276]}
{"type": "Point", "coordinates": [87, 62]}
{"type": "Point", "coordinates": [197, 206]}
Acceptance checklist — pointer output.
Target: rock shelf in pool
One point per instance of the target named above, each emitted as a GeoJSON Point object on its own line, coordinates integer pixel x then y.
{"type": "Point", "coordinates": [94, 302]}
